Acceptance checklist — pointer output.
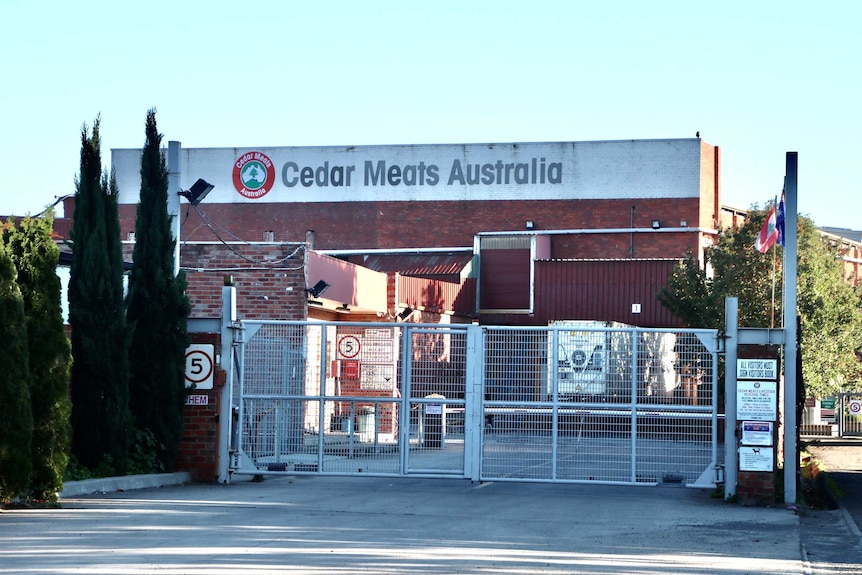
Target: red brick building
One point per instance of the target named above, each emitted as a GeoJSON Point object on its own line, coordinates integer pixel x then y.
{"type": "Point", "coordinates": [499, 233]}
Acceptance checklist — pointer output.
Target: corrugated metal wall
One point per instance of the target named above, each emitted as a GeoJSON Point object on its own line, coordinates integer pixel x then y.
{"type": "Point", "coordinates": [603, 290]}
{"type": "Point", "coordinates": [437, 296]}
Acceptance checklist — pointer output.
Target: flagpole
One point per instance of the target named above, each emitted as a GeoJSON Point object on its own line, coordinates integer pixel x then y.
{"type": "Point", "coordinates": [772, 307]}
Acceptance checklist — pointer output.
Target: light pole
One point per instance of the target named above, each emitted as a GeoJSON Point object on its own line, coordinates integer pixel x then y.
{"type": "Point", "coordinates": [194, 195]}
{"type": "Point", "coordinates": [174, 198]}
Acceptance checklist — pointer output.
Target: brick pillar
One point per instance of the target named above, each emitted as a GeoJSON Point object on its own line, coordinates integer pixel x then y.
{"type": "Point", "coordinates": [198, 451]}
{"type": "Point", "coordinates": [757, 485]}
{"type": "Point", "coordinates": [756, 488]}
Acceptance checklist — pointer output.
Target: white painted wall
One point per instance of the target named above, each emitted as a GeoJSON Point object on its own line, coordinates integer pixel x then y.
{"type": "Point", "coordinates": [571, 170]}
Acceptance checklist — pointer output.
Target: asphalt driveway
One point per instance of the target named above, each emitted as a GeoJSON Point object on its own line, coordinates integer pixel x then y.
{"type": "Point", "coordinates": [322, 525]}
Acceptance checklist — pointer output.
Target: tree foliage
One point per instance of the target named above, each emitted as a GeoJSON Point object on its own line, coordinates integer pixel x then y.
{"type": "Point", "coordinates": [157, 309]}
{"type": "Point", "coordinates": [36, 256]}
{"type": "Point", "coordinates": [16, 422]}
{"type": "Point", "coordinates": [830, 309]}
{"type": "Point", "coordinates": [831, 315]}
{"type": "Point", "coordinates": [100, 374]}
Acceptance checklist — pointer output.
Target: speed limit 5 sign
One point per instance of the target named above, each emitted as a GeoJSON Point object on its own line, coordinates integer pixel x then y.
{"type": "Point", "coordinates": [200, 365]}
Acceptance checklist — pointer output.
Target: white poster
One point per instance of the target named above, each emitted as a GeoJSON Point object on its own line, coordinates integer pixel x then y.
{"type": "Point", "coordinates": [757, 400]}
{"type": "Point", "coordinates": [756, 458]}
{"type": "Point", "coordinates": [757, 369]}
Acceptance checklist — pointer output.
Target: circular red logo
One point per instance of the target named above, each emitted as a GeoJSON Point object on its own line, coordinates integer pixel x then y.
{"type": "Point", "coordinates": [253, 175]}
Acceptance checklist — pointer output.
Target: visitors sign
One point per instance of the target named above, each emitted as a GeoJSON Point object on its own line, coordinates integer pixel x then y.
{"type": "Point", "coordinates": [757, 400]}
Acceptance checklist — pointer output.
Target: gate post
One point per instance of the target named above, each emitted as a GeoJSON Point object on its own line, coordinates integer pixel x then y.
{"type": "Point", "coordinates": [474, 402]}
{"type": "Point", "coordinates": [228, 317]}
{"type": "Point", "coordinates": [731, 331]}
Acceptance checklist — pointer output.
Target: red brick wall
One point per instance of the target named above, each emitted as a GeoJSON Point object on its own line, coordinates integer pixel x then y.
{"type": "Point", "coordinates": [641, 245]}
{"type": "Point", "coordinates": [198, 451]}
{"type": "Point", "coordinates": [268, 285]}
{"type": "Point", "coordinates": [364, 225]}
{"type": "Point", "coordinates": [756, 488]}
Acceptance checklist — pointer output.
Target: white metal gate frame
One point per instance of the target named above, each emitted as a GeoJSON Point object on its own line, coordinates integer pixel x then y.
{"type": "Point", "coordinates": [849, 414]}
{"type": "Point", "coordinates": [446, 414]}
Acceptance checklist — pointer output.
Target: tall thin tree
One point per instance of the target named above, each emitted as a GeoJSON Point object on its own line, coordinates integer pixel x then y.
{"type": "Point", "coordinates": [101, 420]}
{"type": "Point", "coordinates": [36, 256]}
{"type": "Point", "coordinates": [157, 309]}
{"type": "Point", "coordinates": [16, 422]}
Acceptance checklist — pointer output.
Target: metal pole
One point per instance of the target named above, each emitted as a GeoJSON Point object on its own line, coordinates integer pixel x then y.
{"type": "Point", "coordinates": [731, 331]}
{"type": "Point", "coordinates": [791, 457]}
{"type": "Point", "coordinates": [174, 198]}
{"type": "Point", "coordinates": [228, 317]}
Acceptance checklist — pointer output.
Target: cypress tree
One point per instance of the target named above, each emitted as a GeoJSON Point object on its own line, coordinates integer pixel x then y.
{"type": "Point", "coordinates": [100, 373]}
{"type": "Point", "coordinates": [158, 309]}
{"type": "Point", "coordinates": [36, 256]}
{"type": "Point", "coordinates": [16, 422]}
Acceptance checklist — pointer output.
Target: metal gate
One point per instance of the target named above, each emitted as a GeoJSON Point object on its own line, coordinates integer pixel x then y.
{"type": "Point", "coordinates": [572, 402]}
{"type": "Point", "coordinates": [849, 414]}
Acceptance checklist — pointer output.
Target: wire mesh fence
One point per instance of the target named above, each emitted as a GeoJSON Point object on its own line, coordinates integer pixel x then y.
{"type": "Point", "coordinates": [567, 402]}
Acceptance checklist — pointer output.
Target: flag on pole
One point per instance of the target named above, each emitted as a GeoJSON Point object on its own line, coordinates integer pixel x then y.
{"type": "Point", "coordinates": [779, 220]}
{"type": "Point", "coordinates": [768, 233]}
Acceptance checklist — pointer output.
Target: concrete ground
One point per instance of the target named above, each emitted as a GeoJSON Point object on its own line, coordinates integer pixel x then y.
{"type": "Point", "coordinates": [324, 524]}
{"type": "Point", "coordinates": [833, 536]}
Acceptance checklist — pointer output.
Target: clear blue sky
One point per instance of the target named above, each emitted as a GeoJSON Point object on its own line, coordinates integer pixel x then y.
{"type": "Point", "coordinates": [757, 79]}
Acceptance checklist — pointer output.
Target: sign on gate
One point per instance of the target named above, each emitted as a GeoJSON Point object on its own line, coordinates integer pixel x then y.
{"type": "Point", "coordinates": [757, 400]}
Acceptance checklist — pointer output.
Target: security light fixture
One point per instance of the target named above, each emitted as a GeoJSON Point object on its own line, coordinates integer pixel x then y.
{"type": "Point", "coordinates": [405, 313]}
{"type": "Point", "coordinates": [197, 192]}
{"type": "Point", "coordinates": [531, 224]}
{"type": "Point", "coordinates": [318, 289]}
{"type": "Point", "coordinates": [656, 224]}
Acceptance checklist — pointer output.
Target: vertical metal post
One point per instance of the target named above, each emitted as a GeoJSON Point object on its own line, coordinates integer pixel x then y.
{"type": "Point", "coordinates": [791, 458]}
{"type": "Point", "coordinates": [731, 332]}
{"type": "Point", "coordinates": [174, 198]}
{"type": "Point", "coordinates": [228, 317]}
{"type": "Point", "coordinates": [636, 375]}
{"type": "Point", "coordinates": [839, 414]}
{"type": "Point", "coordinates": [474, 402]}
{"type": "Point", "coordinates": [322, 392]}
{"type": "Point", "coordinates": [406, 395]}
{"type": "Point", "coordinates": [554, 387]}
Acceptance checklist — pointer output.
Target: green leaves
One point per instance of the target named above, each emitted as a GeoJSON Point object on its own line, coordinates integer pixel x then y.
{"type": "Point", "coordinates": [158, 309]}
{"type": "Point", "coordinates": [100, 372]}
{"type": "Point", "coordinates": [829, 307]}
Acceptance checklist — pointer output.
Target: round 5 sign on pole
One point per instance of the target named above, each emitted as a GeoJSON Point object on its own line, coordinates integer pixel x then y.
{"type": "Point", "coordinates": [200, 364]}
{"type": "Point", "coordinates": [855, 406]}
